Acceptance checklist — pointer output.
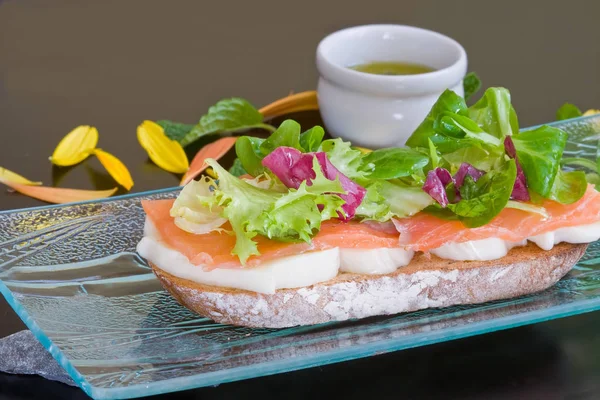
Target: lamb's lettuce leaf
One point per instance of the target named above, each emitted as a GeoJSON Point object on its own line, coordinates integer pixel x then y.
{"type": "Point", "coordinates": [471, 84]}
{"type": "Point", "coordinates": [495, 114]}
{"type": "Point", "coordinates": [482, 200]}
{"type": "Point", "coordinates": [385, 200]}
{"type": "Point", "coordinates": [539, 152]}
{"type": "Point", "coordinates": [448, 101]}
{"type": "Point", "coordinates": [568, 187]}
{"type": "Point", "coordinates": [312, 138]}
{"type": "Point", "coordinates": [288, 135]}
{"type": "Point", "coordinates": [568, 111]}
{"type": "Point", "coordinates": [248, 152]}
{"type": "Point", "coordinates": [391, 163]}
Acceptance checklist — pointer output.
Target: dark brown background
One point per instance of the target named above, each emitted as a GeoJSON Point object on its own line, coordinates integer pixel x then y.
{"type": "Point", "coordinates": [114, 63]}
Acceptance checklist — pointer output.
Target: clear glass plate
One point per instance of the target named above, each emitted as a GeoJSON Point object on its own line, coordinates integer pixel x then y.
{"type": "Point", "coordinates": [72, 274]}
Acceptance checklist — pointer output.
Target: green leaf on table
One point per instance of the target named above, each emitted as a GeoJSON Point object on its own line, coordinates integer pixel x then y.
{"type": "Point", "coordinates": [495, 114]}
{"type": "Point", "coordinates": [568, 111]}
{"type": "Point", "coordinates": [391, 163]}
{"type": "Point", "coordinates": [471, 84]}
{"type": "Point", "coordinates": [483, 200]}
{"type": "Point", "coordinates": [288, 134]}
{"type": "Point", "coordinates": [312, 138]}
{"type": "Point", "coordinates": [448, 101]}
{"type": "Point", "coordinates": [247, 149]}
{"type": "Point", "coordinates": [539, 152]}
{"type": "Point", "coordinates": [228, 115]}
{"type": "Point", "coordinates": [175, 130]}
{"type": "Point", "coordinates": [568, 187]}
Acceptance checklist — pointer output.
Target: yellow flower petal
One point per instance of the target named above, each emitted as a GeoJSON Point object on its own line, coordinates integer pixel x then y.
{"type": "Point", "coordinates": [164, 152]}
{"type": "Point", "coordinates": [303, 101]}
{"type": "Point", "coordinates": [115, 168]}
{"type": "Point", "coordinates": [76, 146]}
{"type": "Point", "coordinates": [9, 176]}
{"type": "Point", "coordinates": [591, 112]}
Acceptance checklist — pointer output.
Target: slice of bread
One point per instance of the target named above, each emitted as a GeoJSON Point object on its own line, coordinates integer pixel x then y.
{"type": "Point", "coordinates": [426, 282]}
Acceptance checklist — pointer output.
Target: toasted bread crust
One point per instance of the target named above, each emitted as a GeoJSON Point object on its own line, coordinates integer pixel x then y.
{"type": "Point", "coordinates": [427, 282]}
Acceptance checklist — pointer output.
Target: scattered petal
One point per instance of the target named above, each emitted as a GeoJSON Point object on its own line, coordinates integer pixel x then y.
{"type": "Point", "coordinates": [10, 176]}
{"type": "Point", "coordinates": [215, 150]}
{"type": "Point", "coordinates": [76, 146]}
{"type": "Point", "coordinates": [164, 152]}
{"type": "Point", "coordinates": [115, 168]}
{"type": "Point", "coordinates": [303, 101]}
{"type": "Point", "coordinates": [58, 195]}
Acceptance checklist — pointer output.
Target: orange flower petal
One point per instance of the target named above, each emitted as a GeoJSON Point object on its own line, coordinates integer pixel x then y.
{"type": "Point", "coordinates": [215, 150]}
{"type": "Point", "coordinates": [303, 101]}
{"type": "Point", "coordinates": [76, 146]}
{"type": "Point", "coordinates": [58, 195]}
{"type": "Point", "coordinates": [10, 176]}
{"type": "Point", "coordinates": [115, 168]}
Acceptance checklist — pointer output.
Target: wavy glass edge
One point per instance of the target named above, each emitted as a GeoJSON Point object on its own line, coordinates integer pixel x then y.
{"type": "Point", "coordinates": [174, 188]}
{"type": "Point", "coordinates": [294, 364]}
{"type": "Point", "coordinates": [290, 364]}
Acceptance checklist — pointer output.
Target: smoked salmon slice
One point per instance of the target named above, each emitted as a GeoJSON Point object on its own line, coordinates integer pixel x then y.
{"type": "Point", "coordinates": [214, 249]}
{"type": "Point", "coordinates": [423, 232]}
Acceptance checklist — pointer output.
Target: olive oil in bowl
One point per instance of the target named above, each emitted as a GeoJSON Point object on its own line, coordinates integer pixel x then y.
{"type": "Point", "coordinates": [392, 68]}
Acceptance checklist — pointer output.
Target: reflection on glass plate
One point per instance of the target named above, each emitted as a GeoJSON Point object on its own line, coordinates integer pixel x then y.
{"type": "Point", "coordinates": [72, 275]}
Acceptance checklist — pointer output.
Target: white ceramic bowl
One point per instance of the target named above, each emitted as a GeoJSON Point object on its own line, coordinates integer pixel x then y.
{"type": "Point", "coordinates": [383, 110]}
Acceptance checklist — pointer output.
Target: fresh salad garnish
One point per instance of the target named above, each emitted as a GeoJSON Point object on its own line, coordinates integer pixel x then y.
{"type": "Point", "coordinates": [462, 163]}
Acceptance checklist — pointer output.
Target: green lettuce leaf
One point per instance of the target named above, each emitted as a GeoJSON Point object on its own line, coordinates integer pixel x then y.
{"type": "Point", "coordinates": [288, 134]}
{"type": "Point", "coordinates": [237, 169]}
{"type": "Point", "coordinates": [247, 149]}
{"type": "Point", "coordinates": [459, 126]}
{"type": "Point", "coordinates": [580, 162]}
{"type": "Point", "coordinates": [448, 101]}
{"type": "Point", "coordinates": [539, 152]}
{"type": "Point", "coordinates": [312, 138]}
{"type": "Point", "coordinates": [385, 200]}
{"type": "Point", "coordinates": [175, 130]}
{"type": "Point", "coordinates": [481, 201]}
{"type": "Point", "coordinates": [471, 84]}
{"type": "Point", "coordinates": [289, 216]}
{"type": "Point", "coordinates": [433, 155]}
{"type": "Point", "coordinates": [568, 111]}
{"type": "Point", "coordinates": [483, 159]}
{"type": "Point", "coordinates": [495, 114]}
{"type": "Point", "coordinates": [346, 159]}
{"type": "Point", "coordinates": [228, 115]}
{"type": "Point", "coordinates": [391, 163]}
{"type": "Point", "coordinates": [568, 187]}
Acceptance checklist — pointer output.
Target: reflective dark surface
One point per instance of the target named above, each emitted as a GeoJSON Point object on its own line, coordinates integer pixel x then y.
{"type": "Point", "coordinates": [113, 64]}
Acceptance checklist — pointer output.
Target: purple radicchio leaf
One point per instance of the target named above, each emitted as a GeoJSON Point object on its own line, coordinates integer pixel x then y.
{"type": "Point", "coordinates": [293, 167]}
{"type": "Point", "coordinates": [435, 185]}
{"type": "Point", "coordinates": [519, 191]}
